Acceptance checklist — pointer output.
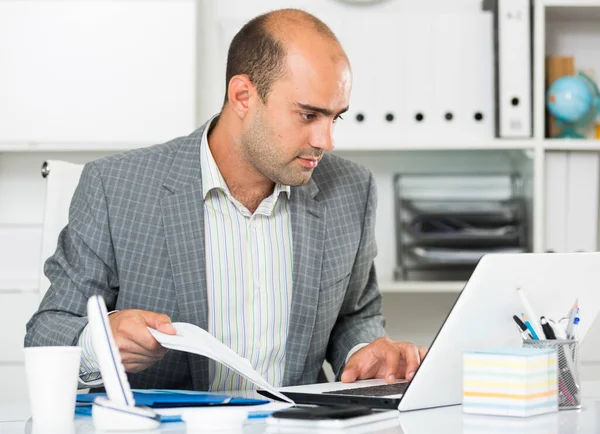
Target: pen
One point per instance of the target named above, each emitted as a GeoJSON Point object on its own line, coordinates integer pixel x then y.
{"type": "Point", "coordinates": [529, 311]}
{"type": "Point", "coordinates": [573, 314]}
{"type": "Point", "coordinates": [570, 323]}
{"type": "Point", "coordinates": [575, 324]}
{"type": "Point", "coordinates": [559, 331]}
{"type": "Point", "coordinates": [523, 328]}
{"type": "Point", "coordinates": [534, 335]}
{"type": "Point", "coordinates": [547, 329]}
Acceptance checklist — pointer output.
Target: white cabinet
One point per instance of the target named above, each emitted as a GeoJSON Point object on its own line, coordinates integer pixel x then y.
{"type": "Point", "coordinates": [13, 389]}
{"type": "Point", "coordinates": [15, 310]}
{"type": "Point", "coordinates": [97, 72]}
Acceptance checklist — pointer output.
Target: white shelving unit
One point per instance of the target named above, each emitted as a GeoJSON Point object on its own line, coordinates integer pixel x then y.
{"type": "Point", "coordinates": [76, 119]}
{"type": "Point", "coordinates": [415, 287]}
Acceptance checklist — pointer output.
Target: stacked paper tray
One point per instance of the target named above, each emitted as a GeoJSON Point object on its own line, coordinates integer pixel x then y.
{"type": "Point", "coordinates": [445, 223]}
{"type": "Point", "coordinates": [510, 381]}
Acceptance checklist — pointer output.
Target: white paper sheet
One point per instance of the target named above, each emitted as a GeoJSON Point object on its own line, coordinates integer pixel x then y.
{"type": "Point", "coordinates": [193, 339]}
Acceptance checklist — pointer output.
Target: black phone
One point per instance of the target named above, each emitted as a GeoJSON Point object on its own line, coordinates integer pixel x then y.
{"type": "Point", "coordinates": [323, 412]}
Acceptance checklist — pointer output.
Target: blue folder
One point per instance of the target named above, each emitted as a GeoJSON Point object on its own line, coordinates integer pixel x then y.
{"type": "Point", "coordinates": [165, 398]}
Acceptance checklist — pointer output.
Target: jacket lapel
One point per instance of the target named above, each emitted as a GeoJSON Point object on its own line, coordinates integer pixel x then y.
{"type": "Point", "coordinates": [183, 221]}
{"type": "Point", "coordinates": [308, 234]}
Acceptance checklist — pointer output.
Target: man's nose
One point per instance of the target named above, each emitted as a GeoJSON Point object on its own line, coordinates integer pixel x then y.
{"type": "Point", "coordinates": [323, 137]}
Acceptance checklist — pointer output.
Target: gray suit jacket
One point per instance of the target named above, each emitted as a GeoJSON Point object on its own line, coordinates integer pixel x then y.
{"type": "Point", "coordinates": [136, 236]}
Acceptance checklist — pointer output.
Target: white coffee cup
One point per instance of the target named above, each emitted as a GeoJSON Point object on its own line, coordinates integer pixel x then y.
{"type": "Point", "coordinates": [52, 374]}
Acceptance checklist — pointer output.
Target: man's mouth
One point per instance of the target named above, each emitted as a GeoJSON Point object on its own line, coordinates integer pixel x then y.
{"type": "Point", "coordinates": [309, 162]}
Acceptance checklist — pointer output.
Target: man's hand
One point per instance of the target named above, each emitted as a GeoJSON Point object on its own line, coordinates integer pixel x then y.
{"type": "Point", "coordinates": [139, 350]}
{"type": "Point", "coordinates": [384, 358]}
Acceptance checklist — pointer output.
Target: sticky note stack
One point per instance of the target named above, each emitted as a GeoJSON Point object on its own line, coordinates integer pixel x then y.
{"type": "Point", "coordinates": [510, 381]}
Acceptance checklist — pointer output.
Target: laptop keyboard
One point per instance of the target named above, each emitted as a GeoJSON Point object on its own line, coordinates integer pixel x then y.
{"type": "Point", "coordinates": [381, 390]}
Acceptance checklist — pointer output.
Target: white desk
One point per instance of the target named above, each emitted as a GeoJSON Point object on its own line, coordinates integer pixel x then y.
{"type": "Point", "coordinates": [450, 420]}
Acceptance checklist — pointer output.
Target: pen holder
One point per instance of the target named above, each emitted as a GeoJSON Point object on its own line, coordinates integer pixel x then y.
{"type": "Point", "coordinates": [569, 386]}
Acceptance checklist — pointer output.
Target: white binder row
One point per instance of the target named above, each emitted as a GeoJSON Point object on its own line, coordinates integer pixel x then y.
{"type": "Point", "coordinates": [411, 72]}
{"type": "Point", "coordinates": [419, 76]}
{"type": "Point", "coordinates": [431, 75]}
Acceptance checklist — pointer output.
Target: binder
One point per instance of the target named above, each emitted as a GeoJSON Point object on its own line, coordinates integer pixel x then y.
{"type": "Point", "coordinates": [360, 122]}
{"type": "Point", "coordinates": [572, 181]}
{"type": "Point", "coordinates": [513, 60]}
{"type": "Point", "coordinates": [464, 89]}
{"type": "Point", "coordinates": [417, 45]}
{"type": "Point", "coordinates": [556, 181]}
{"type": "Point", "coordinates": [167, 398]}
{"type": "Point", "coordinates": [582, 201]}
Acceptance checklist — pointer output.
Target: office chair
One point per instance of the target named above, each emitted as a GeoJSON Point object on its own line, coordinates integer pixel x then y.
{"type": "Point", "coordinates": [62, 178]}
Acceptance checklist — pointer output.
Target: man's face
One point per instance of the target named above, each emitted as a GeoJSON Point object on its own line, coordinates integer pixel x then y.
{"type": "Point", "coordinates": [286, 137]}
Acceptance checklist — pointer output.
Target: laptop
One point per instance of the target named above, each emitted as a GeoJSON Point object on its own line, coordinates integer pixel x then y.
{"type": "Point", "coordinates": [481, 318]}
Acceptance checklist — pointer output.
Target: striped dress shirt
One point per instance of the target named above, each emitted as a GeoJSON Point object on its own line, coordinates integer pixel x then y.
{"type": "Point", "coordinates": [248, 276]}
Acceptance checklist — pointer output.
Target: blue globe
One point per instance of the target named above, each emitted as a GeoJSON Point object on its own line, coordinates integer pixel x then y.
{"type": "Point", "coordinates": [570, 99]}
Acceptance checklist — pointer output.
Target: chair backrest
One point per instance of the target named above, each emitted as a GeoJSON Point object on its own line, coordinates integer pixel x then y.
{"type": "Point", "coordinates": [62, 178]}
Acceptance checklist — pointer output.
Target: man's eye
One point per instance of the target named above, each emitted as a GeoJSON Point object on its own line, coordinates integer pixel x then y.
{"type": "Point", "coordinates": [308, 116]}
{"type": "Point", "coordinates": [338, 117]}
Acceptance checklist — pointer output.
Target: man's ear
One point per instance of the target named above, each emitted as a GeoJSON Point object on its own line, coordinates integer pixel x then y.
{"type": "Point", "coordinates": [241, 94]}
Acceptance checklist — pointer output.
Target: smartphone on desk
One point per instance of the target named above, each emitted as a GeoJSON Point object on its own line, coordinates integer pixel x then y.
{"type": "Point", "coordinates": [330, 417]}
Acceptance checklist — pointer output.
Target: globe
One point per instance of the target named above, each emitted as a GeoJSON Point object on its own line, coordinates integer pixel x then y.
{"type": "Point", "coordinates": [572, 100]}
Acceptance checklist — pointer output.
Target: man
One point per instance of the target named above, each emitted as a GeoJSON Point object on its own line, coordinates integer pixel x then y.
{"type": "Point", "coordinates": [245, 228]}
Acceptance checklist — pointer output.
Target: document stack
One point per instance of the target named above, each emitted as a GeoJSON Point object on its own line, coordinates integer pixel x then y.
{"type": "Point", "coordinates": [446, 223]}
{"type": "Point", "coordinates": [510, 382]}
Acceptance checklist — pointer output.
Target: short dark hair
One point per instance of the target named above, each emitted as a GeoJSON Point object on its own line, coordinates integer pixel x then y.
{"type": "Point", "coordinates": [254, 51]}
{"type": "Point", "coordinates": [258, 53]}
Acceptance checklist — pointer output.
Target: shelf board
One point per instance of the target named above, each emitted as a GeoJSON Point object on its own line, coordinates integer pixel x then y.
{"type": "Point", "coordinates": [571, 145]}
{"type": "Point", "coordinates": [346, 145]}
{"type": "Point", "coordinates": [18, 285]}
{"type": "Point", "coordinates": [572, 10]}
{"type": "Point", "coordinates": [401, 145]}
{"type": "Point", "coordinates": [421, 287]}
{"type": "Point", "coordinates": [572, 3]}
{"type": "Point", "coordinates": [67, 147]}
{"type": "Point", "coordinates": [440, 144]}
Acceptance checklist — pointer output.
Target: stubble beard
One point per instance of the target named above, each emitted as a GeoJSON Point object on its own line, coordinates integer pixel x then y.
{"type": "Point", "coordinates": [260, 151]}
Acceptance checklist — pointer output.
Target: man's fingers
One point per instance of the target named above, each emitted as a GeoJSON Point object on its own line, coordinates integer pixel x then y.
{"type": "Point", "coordinates": [137, 332]}
{"type": "Point", "coordinates": [167, 328]}
{"type": "Point", "coordinates": [138, 348]}
{"type": "Point", "coordinates": [134, 368]}
{"type": "Point", "coordinates": [413, 359]}
{"type": "Point", "coordinates": [128, 347]}
{"type": "Point", "coordinates": [139, 358]}
{"type": "Point", "coordinates": [132, 334]}
{"type": "Point", "coordinates": [160, 322]}
{"type": "Point", "coordinates": [422, 353]}
{"type": "Point", "coordinates": [392, 365]}
{"type": "Point", "coordinates": [350, 375]}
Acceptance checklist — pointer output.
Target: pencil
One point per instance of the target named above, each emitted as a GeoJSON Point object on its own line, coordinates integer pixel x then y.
{"type": "Point", "coordinates": [530, 313]}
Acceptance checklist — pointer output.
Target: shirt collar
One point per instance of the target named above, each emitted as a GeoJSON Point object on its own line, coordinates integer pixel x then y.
{"type": "Point", "coordinates": [211, 176]}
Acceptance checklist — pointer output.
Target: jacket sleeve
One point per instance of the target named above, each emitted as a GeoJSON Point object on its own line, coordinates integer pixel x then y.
{"type": "Point", "coordinates": [360, 319]}
{"type": "Point", "coordinates": [83, 265]}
